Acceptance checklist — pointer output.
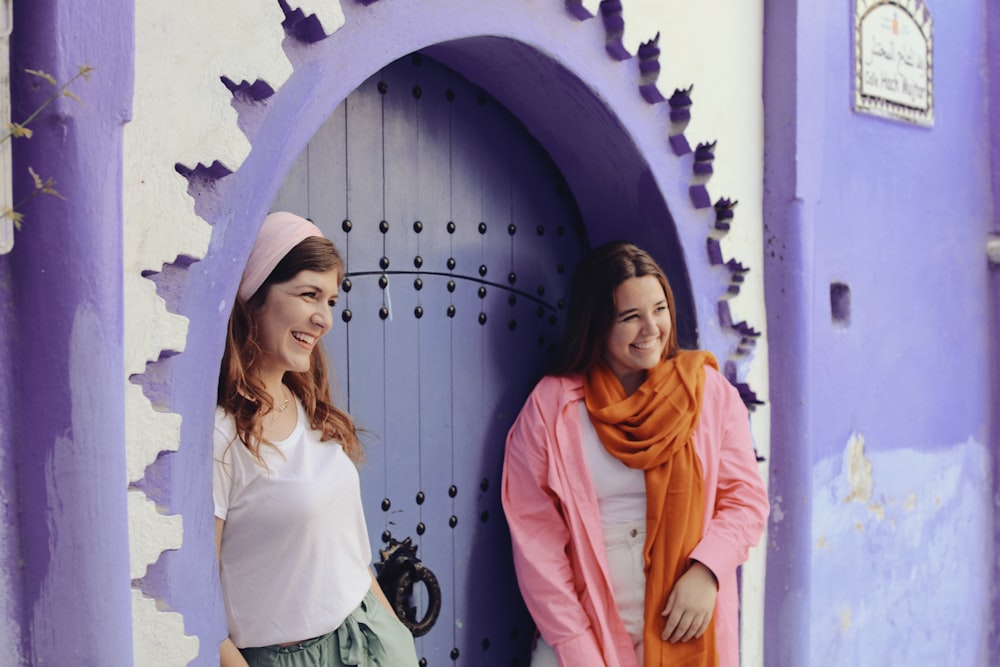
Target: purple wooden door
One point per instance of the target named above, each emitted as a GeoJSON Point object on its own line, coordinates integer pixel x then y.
{"type": "Point", "coordinates": [460, 237]}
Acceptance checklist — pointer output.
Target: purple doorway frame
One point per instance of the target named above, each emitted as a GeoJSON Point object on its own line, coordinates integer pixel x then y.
{"type": "Point", "coordinates": [993, 66]}
{"type": "Point", "coordinates": [556, 71]}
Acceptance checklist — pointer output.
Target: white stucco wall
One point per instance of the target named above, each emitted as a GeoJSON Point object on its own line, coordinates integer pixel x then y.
{"type": "Point", "coordinates": [182, 113]}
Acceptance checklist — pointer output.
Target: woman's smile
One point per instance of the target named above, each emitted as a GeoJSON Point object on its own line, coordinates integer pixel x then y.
{"type": "Point", "coordinates": [638, 338]}
{"type": "Point", "coordinates": [294, 316]}
{"type": "Point", "coordinates": [304, 338]}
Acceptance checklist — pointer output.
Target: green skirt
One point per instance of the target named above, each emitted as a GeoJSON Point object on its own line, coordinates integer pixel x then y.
{"type": "Point", "coordinates": [371, 636]}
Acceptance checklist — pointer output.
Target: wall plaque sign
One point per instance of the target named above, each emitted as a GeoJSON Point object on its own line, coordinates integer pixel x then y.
{"type": "Point", "coordinates": [894, 60]}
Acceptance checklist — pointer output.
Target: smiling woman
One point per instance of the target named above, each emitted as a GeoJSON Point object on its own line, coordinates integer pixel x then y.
{"type": "Point", "coordinates": [639, 337]}
{"type": "Point", "coordinates": [287, 476]}
{"type": "Point", "coordinates": [294, 316]}
{"type": "Point", "coordinates": [635, 560]}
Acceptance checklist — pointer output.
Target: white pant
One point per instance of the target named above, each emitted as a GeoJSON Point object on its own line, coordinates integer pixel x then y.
{"type": "Point", "coordinates": [623, 544]}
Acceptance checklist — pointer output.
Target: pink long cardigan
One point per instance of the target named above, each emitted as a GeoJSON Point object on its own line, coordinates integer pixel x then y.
{"type": "Point", "coordinates": [551, 507]}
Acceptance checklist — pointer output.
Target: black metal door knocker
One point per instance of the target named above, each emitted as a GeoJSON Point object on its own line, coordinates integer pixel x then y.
{"type": "Point", "coordinates": [398, 572]}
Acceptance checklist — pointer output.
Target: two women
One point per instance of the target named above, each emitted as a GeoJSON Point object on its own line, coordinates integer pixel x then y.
{"type": "Point", "coordinates": [293, 548]}
{"type": "Point", "coordinates": [630, 483]}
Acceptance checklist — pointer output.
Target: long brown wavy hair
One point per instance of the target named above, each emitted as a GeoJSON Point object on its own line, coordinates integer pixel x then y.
{"type": "Point", "coordinates": [591, 311]}
{"type": "Point", "coordinates": [241, 392]}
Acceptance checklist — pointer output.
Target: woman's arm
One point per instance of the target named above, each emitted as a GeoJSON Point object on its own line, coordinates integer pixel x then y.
{"type": "Point", "coordinates": [736, 517]}
{"type": "Point", "coordinates": [741, 506]}
{"type": "Point", "coordinates": [229, 655]}
{"type": "Point", "coordinates": [541, 539]}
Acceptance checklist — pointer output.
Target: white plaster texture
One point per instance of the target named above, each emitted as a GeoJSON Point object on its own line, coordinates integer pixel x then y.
{"type": "Point", "coordinates": [151, 533]}
{"type": "Point", "coordinates": [182, 113]}
{"type": "Point", "coordinates": [329, 13]}
{"type": "Point", "coordinates": [158, 635]}
{"type": "Point", "coordinates": [898, 533]}
{"type": "Point", "coordinates": [147, 432]}
{"type": "Point", "coordinates": [857, 470]}
{"type": "Point", "coordinates": [143, 304]}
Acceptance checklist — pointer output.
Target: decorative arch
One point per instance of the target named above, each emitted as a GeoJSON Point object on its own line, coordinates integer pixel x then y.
{"type": "Point", "coordinates": [563, 72]}
{"type": "Point", "coordinates": [621, 146]}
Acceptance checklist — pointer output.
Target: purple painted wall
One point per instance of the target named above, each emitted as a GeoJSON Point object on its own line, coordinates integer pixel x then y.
{"type": "Point", "coordinates": [899, 215]}
{"type": "Point", "coordinates": [61, 342]}
{"type": "Point", "coordinates": [788, 252]}
{"type": "Point", "coordinates": [992, 29]}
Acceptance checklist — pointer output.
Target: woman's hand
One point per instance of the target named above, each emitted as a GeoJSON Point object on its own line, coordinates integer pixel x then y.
{"type": "Point", "coordinates": [690, 604]}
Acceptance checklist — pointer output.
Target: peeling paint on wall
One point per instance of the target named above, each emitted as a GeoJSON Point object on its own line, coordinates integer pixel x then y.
{"type": "Point", "coordinates": [857, 470]}
{"type": "Point", "coordinates": [777, 512]}
{"type": "Point", "coordinates": [898, 533]}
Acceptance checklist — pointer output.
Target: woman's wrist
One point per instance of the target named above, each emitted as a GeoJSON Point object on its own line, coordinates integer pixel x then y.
{"type": "Point", "coordinates": [699, 564]}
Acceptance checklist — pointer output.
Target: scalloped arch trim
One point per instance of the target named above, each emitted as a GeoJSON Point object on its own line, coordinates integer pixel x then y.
{"type": "Point", "coordinates": [252, 80]}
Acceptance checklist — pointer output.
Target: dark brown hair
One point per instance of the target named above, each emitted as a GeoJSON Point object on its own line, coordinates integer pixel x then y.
{"type": "Point", "coordinates": [241, 392]}
{"type": "Point", "coordinates": [591, 311]}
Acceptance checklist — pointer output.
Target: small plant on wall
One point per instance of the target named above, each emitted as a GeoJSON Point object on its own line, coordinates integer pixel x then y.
{"type": "Point", "coordinates": [40, 185]}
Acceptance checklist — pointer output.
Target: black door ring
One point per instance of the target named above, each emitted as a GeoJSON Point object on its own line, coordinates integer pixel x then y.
{"type": "Point", "coordinates": [398, 572]}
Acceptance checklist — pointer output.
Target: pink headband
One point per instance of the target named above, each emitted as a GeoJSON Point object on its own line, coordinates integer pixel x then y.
{"type": "Point", "coordinates": [279, 233]}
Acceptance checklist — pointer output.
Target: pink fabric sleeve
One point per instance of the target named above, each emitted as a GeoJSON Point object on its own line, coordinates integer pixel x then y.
{"type": "Point", "coordinates": [741, 504]}
{"type": "Point", "coordinates": [541, 539]}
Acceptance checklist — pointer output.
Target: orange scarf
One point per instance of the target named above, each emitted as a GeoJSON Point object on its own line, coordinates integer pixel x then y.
{"type": "Point", "coordinates": [653, 430]}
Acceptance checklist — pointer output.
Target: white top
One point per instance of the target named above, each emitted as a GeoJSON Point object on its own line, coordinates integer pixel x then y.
{"type": "Point", "coordinates": [295, 552]}
{"type": "Point", "coordinates": [621, 491]}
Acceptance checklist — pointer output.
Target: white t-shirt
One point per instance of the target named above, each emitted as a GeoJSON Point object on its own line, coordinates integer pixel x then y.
{"type": "Point", "coordinates": [621, 491]}
{"type": "Point", "coordinates": [295, 552]}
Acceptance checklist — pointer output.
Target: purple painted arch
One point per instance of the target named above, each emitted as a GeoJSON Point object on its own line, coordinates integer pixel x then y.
{"type": "Point", "coordinates": [549, 69]}
{"type": "Point", "coordinates": [546, 66]}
